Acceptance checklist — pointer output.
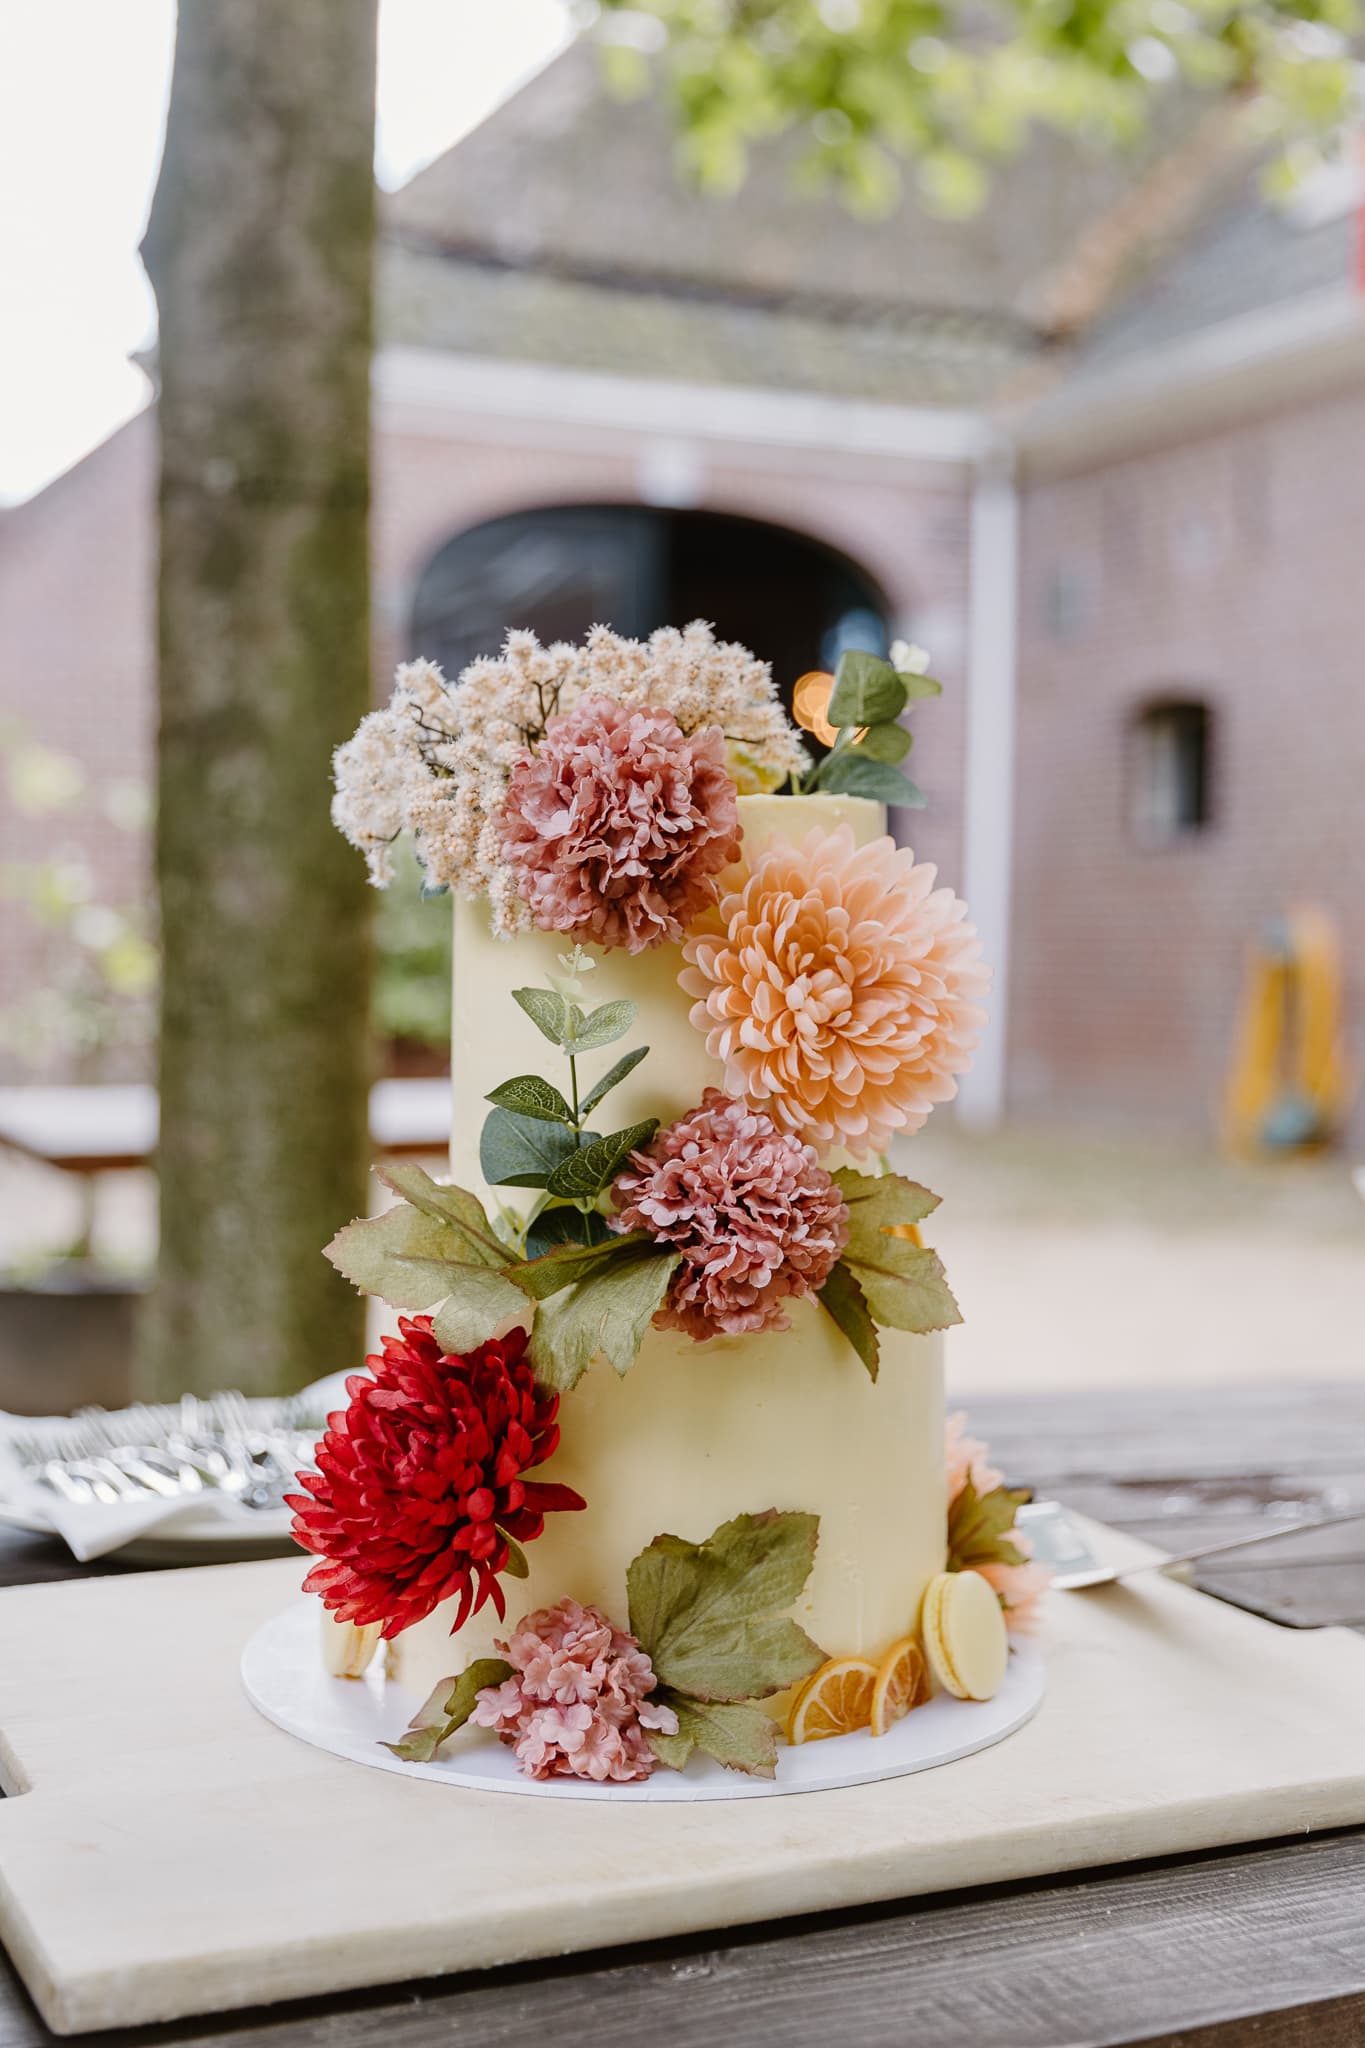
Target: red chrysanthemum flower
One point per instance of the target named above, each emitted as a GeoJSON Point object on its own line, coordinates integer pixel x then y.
{"type": "Point", "coordinates": [419, 1491]}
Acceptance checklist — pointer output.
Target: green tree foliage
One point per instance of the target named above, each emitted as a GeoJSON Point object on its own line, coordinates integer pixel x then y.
{"type": "Point", "coordinates": [952, 88]}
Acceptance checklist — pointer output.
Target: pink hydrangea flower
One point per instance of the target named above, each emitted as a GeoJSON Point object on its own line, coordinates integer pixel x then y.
{"type": "Point", "coordinates": [616, 827]}
{"type": "Point", "coordinates": [756, 1217]}
{"type": "Point", "coordinates": [577, 1704]}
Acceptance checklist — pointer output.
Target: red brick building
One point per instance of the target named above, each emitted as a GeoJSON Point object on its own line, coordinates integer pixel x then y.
{"type": "Point", "coordinates": [1102, 450]}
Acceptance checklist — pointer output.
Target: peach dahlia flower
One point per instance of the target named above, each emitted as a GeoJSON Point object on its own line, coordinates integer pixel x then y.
{"type": "Point", "coordinates": [839, 989]}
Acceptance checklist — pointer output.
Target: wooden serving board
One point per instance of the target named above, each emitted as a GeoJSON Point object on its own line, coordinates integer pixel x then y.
{"type": "Point", "coordinates": [171, 1852]}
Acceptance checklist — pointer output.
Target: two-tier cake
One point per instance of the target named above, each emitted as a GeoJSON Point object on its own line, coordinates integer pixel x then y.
{"type": "Point", "coordinates": [655, 1460]}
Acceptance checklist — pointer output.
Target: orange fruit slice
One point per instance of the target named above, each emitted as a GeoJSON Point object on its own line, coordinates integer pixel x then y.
{"type": "Point", "coordinates": [835, 1701]}
{"type": "Point", "coordinates": [902, 1683]}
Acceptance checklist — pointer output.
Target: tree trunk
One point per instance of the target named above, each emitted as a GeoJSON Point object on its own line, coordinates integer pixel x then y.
{"type": "Point", "coordinates": [260, 249]}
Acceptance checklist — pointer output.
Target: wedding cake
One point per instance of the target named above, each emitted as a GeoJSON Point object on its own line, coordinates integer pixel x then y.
{"type": "Point", "coordinates": [655, 1461]}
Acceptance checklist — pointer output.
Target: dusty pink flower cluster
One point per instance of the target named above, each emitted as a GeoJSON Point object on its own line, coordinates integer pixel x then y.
{"type": "Point", "coordinates": [1020, 1587]}
{"type": "Point", "coordinates": [616, 827]}
{"type": "Point", "coordinates": [756, 1217]}
{"type": "Point", "coordinates": [578, 1705]}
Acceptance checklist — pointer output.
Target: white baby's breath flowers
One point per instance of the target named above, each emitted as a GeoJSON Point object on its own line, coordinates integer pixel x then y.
{"type": "Point", "coordinates": [436, 760]}
{"type": "Point", "coordinates": [909, 659]}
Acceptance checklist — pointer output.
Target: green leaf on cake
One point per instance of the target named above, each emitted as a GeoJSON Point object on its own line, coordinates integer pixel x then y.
{"type": "Point", "coordinates": [479, 1305]}
{"type": "Point", "coordinates": [855, 773]}
{"type": "Point", "coordinates": [585, 1173]}
{"type": "Point", "coordinates": [550, 1013]}
{"type": "Point", "coordinates": [740, 1736]}
{"type": "Point", "coordinates": [529, 1096]}
{"type": "Point", "coordinates": [455, 1206]}
{"type": "Point", "coordinates": [565, 1264]}
{"type": "Point", "coordinates": [867, 690]}
{"type": "Point", "coordinates": [521, 1151]}
{"type": "Point", "coordinates": [902, 1282]}
{"type": "Point", "coordinates": [844, 1302]}
{"type": "Point", "coordinates": [602, 1026]}
{"type": "Point", "coordinates": [709, 1613]}
{"type": "Point", "coordinates": [559, 1225]}
{"type": "Point", "coordinates": [980, 1527]}
{"type": "Point", "coordinates": [604, 1317]}
{"type": "Point", "coordinates": [516, 1566]}
{"type": "Point", "coordinates": [409, 1258]}
{"type": "Point", "coordinates": [447, 1709]}
{"type": "Point", "coordinates": [627, 1064]}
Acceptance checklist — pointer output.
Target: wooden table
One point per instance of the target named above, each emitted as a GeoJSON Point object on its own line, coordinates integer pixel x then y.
{"type": "Point", "coordinates": [1262, 1946]}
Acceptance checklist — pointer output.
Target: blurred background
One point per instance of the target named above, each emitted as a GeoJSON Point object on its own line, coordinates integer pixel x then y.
{"type": "Point", "coordinates": [1058, 373]}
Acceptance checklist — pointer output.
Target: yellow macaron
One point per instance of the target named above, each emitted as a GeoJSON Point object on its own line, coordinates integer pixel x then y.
{"type": "Point", "coordinates": [962, 1627]}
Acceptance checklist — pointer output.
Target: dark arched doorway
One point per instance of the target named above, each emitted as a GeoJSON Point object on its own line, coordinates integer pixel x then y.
{"type": "Point", "coordinates": [564, 568]}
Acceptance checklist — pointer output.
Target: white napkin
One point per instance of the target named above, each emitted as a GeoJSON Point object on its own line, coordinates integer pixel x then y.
{"type": "Point", "coordinates": [94, 1528]}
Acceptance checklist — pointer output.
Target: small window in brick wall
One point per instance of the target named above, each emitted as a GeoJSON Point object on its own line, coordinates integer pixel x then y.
{"type": "Point", "coordinates": [1169, 746]}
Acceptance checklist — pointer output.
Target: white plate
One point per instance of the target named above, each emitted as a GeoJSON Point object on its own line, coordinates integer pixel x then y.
{"type": "Point", "coordinates": [196, 1536]}
{"type": "Point", "coordinates": [284, 1678]}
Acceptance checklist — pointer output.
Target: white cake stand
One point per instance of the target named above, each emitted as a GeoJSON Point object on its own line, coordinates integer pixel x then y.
{"type": "Point", "coordinates": [284, 1678]}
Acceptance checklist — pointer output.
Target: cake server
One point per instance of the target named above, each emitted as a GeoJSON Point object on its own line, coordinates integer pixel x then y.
{"type": "Point", "coordinates": [1058, 1542]}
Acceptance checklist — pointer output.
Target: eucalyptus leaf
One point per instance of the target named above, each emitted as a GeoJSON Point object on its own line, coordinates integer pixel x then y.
{"type": "Point", "coordinates": [479, 1305]}
{"type": "Point", "coordinates": [530, 1096]}
{"type": "Point", "coordinates": [566, 1264]}
{"type": "Point", "coordinates": [708, 1614]}
{"type": "Point", "coordinates": [881, 743]}
{"type": "Point", "coordinates": [447, 1709]}
{"type": "Point", "coordinates": [585, 1173]}
{"type": "Point", "coordinates": [521, 1151]}
{"type": "Point", "coordinates": [605, 1316]}
{"type": "Point", "coordinates": [627, 1064]}
{"type": "Point", "coordinates": [740, 1736]}
{"type": "Point", "coordinates": [867, 691]}
{"type": "Point", "coordinates": [560, 1225]}
{"type": "Point", "coordinates": [603, 1026]}
{"type": "Point", "coordinates": [516, 1566]}
{"type": "Point", "coordinates": [549, 1013]}
{"type": "Point", "coordinates": [855, 775]}
{"type": "Point", "coordinates": [845, 1304]}
{"type": "Point", "coordinates": [919, 686]}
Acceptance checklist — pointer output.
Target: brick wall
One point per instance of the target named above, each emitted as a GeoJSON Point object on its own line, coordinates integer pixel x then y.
{"type": "Point", "coordinates": [1231, 569]}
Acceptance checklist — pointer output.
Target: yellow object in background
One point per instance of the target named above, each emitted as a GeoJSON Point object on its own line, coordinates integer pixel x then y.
{"type": "Point", "coordinates": [1290, 1083]}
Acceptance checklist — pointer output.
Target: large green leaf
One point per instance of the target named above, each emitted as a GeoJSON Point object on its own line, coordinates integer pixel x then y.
{"type": "Point", "coordinates": [853, 773]}
{"type": "Point", "coordinates": [560, 1224]}
{"type": "Point", "coordinates": [602, 1026]}
{"type": "Point", "coordinates": [603, 1317]}
{"type": "Point", "coordinates": [521, 1151]}
{"type": "Point", "coordinates": [600, 1089]}
{"type": "Point", "coordinates": [465, 1212]}
{"type": "Point", "coordinates": [845, 1304]}
{"type": "Point", "coordinates": [404, 1256]}
{"type": "Point", "coordinates": [586, 1172]}
{"type": "Point", "coordinates": [740, 1736]}
{"type": "Point", "coordinates": [447, 1709]}
{"type": "Point", "coordinates": [530, 1096]}
{"type": "Point", "coordinates": [903, 1282]}
{"type": "Point", "coordinates": [867, 690]}
{"type": "Point", "coordinates": [479, 1304]}
{"type": "Point", "coordinates": [709, 1613]}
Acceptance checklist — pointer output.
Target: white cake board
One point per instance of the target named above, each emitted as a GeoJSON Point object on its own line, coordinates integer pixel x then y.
{"type": "Point", "coordinates": [173, 1853]}
{"type": "Point", "coordinates": [283, 1676]}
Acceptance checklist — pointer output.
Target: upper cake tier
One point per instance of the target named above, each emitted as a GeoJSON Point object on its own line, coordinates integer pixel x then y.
{"type": "Point", "coordinates": [491, 1038]}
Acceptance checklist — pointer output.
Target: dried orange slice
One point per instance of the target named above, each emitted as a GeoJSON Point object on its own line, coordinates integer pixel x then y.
{"type": "Point", "coordinates": [902, 1683]}
{"type": "Point", "coordinates": [835, 1701]}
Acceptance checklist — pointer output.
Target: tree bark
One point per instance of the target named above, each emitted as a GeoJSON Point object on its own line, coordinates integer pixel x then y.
{"type": "Point", "coordinates": [260, 250]}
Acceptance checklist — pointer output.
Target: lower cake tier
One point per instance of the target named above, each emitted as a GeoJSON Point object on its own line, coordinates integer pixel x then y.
{"type": "Point", "coordinates": [698, 1433]}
